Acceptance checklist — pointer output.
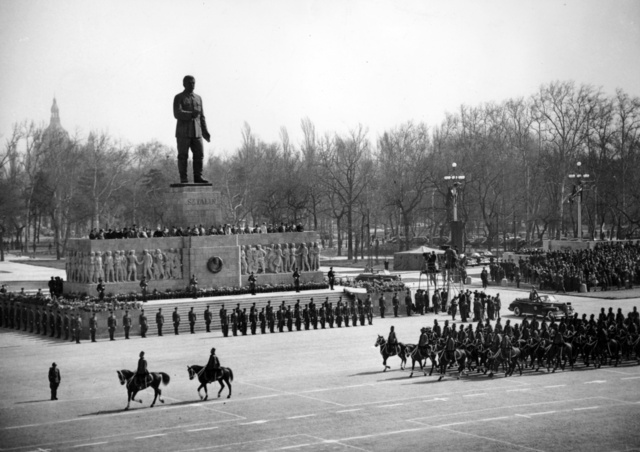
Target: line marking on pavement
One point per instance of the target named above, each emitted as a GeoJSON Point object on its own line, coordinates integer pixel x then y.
{"type": "Point", "coordinates": [294, 447]}
{"type": "Point", "coordinates": [437, 399]}
{"type": "Point", "coordinates": [475, 395]}
{"type": "Point", "coordinates": [513, 445]}
{"type": "Point", "coordinates": [629, 378]}
{"type": "Point", "coordinates": [349, 411]}
{"type": "Point", "coordinates": [297, 394]}
{"type": "Point", "coordinates": [595, 382]}
{"type": "Point", "coordinates": [387, 406]}
{"type": "Point", "coordinates": [494, 418]}
{"type": "Point", "coordinates": [263, 421]}
{"type": "Point", "coordinates": [519, 390]}
{"type": "Point", "coordinates": [586, 408]}
{"type": "Point", "coordinates": [523, 415]}
{"type": "Point", "coordinates": [616, 371]}
{"type": "Point", "coordinates": [151, 436]}
{"type": "Point", "coordinates": [201, 429]}
{"type": "Point", "coordinates": [541, 413]}
{"type": "Point", "coordinates": [219, 446]}
{"type": "Point", "coordinates": [300, 417]}
{"type": "Point", "coordinates": [91, 444]}
{"type": "Point", "coordinates": [555, 386]}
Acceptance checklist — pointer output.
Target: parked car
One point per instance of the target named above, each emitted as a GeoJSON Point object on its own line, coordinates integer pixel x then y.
{"type": "Point", "coordinates": [546, 306]}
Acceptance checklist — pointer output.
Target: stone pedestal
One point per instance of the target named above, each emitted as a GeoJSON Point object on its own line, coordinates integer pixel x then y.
{"type": "Point", "coordinates": [193, 204]}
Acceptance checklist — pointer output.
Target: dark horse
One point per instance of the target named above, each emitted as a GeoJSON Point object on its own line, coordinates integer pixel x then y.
{"type": "Point", "coordinates": [418, 355]}
{"type": "Point", "coordinates": [387, 351]}
{"type": "Point", "coordinates": [459, 358]}
{"type": "Point", "coordinates": [224, 374]}
{"type": "Point", "coordinates": [153, 380]}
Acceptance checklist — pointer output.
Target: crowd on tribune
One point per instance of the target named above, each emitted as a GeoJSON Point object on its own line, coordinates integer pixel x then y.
{"type": "Point", "coordinates": [135, 232]}
{"type": "Point", "coordinates": [607, 266]}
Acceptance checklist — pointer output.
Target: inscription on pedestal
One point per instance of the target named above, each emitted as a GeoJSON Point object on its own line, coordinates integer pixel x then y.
{"type": "Point", "coordinates": [193, 205]}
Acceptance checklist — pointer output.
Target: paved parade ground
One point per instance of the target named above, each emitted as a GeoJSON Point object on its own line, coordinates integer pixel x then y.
{"type": "Point", "coordinates": [311, 391]}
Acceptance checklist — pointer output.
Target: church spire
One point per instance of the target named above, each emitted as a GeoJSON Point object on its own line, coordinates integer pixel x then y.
{"type": "Point", "coordinates": [55, 115]}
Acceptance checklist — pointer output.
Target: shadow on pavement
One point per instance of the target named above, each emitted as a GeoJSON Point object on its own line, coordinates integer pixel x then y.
{"type": "Point", "coordinates": [34, 401]}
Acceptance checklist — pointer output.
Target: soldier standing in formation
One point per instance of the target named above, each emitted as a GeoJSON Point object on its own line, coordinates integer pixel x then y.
{"type": "Point", "coordinates": [54, 381]}
{"type": "Point", "coordinates": [93, 326]}
{"type": "Point", "coordinates": [252, 283]}
{"type": "Point", "coordinates": [67, 326]}
{"type": "Point", "coordinates": [407, 303]}
{"type": "Point", "coordinates": [263, 321]}
{"type": "Point", "coordinates": [395, 301]}
{"type": "Point", "coordinates": [112, 323]}
{"type": "Point", "coordinates": [207, 319]}
{"type": "Point", "coordinates": [126, 323]}
{"type": "Point", "coordinates": [144, 326]}
{"type": "Point", "coordinates": [143, 288]}
{"type": "Point", "coordinates": [78, 328]}
{"type": "Point", "coordinates": [192, 321]}
{"type": "Point", "coordinates": [224, 321]}
{"type": "Point", "coordinates": [176, 320]}
{"type": "Point", "coordinates": [159, 321]}
{"type": "Point", "coordinates": [332, 277]}
{"type": "Point", "coordinates": [253, 319]}
{"type": "Point", "coordinates": [58, 324]}
{"type": "Point", "coordinates": [296, 280]}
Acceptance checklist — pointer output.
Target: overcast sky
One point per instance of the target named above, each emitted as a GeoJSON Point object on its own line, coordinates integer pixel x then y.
{"type": "Point", "coordinates": [116, 65]}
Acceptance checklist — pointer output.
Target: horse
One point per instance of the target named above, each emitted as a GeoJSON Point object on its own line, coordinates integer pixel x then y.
{"type": "Point", "coordinates": [387, 351]}
{"type": "Point", "coordinates": [459, 357]}
{"type": "Point", "coordinates": [153, 380]}
{"type": "Point", "coordinates": [416, 354]}
{"type": "Point", "coordinates": [512, 362]}
{"type": "Point", "coordinates": [223, 374]}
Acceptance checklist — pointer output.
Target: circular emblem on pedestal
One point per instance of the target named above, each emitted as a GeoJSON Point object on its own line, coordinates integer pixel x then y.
{"type": "Point", "coordinates": [214, 264]}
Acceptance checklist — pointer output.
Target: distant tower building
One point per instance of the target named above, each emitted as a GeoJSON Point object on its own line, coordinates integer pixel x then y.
{"type": "Point", "coordinates": [54, 132]}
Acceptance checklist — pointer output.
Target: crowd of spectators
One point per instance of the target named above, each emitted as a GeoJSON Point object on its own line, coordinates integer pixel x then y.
{"type": "Point", "coordinates": [134, 231]}
{"type": "Point", "coordinates": [607, 266]}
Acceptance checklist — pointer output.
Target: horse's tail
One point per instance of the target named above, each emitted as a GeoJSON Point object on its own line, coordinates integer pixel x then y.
{"type": "Point", "coordinates": [230, 373]}
{"type": "Point", "coordinates": [165, 378]}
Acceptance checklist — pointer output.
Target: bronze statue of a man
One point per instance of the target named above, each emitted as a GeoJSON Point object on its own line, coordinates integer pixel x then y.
{"type": "Point", "coordinates": [190, 130]}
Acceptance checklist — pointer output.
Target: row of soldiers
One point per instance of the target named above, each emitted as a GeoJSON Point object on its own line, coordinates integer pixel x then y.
{"type": "Point", "coordinates": [309, 316]}
{"type": "Point", "coordinates": [41, 320]}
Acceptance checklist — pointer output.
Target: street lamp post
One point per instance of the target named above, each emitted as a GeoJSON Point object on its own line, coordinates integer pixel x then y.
{"type": "Point", "coordinates": [457, 180]}
{"type": "Point", "coordinates": [580, 177]}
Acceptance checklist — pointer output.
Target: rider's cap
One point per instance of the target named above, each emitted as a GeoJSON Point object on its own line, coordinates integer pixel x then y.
{"type": "Point", "coordinates": [213, 350]}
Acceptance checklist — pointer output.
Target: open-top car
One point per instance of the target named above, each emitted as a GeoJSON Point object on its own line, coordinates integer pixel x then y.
{"type": "Point", "coordinates": [541, 305]}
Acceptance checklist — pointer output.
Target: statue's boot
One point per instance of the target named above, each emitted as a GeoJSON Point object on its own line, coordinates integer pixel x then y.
{"type": "Point", "coordinates": [197, 172]}
{"type": "Point", "coordinates": [182, 169]}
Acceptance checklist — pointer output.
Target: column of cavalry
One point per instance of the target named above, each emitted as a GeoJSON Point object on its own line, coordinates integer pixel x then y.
{"type": "Point", "coordinates": [604, 340]}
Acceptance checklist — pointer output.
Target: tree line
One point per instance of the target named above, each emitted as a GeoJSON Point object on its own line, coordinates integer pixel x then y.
{"type": "Point", "coordinates": [516, 156]}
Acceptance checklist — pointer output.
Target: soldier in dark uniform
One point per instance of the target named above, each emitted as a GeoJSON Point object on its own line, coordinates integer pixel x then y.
{"type": "Point", "coordinates": [234, 322]}
{"type": "Point", "coordinates": [355, 313]}
{"type": "Point", "coordinates": [252, 283]}
{"type": "Point", "coordinates": [32, 318]}
{"type": "Point", "coordinates": [305, 317]}
{"type": "Point", "coordinates": [143, 288]}
{"type": "Point", "coordinates": [37, 321]}
{"type": "Point", "coordinates": [263, 321]}
{"type": "Point", "coordinates": [346, 314]}
{"type": "Point", "coordinates": [159, 321]}
{"type": "Point", "coordinates": [25, 318]}
{"type": "Point", "coordinates": [289, 316]}
{"type": "Point", "coordinates": [271, 320]}
{"type": "Point", "coordinates": [100, 289]}
{"type": "Point", "coordinates": [54, 381]}
{"type": "Point", "coordinates": [313, 314]}
{"type": "Point", "coordinates": [280, 316]}
{"type": "Point", "coordinates": [296, 280]}
{"type": "Point", "coordinates": [437, 330]}
{"type": "Point", "coordinates": [126, 323]}
{"type": "Point", "coordinates": [176, 321]}
{"type": "Point", "coordinates": [339, 313]}
{"type": "Point", "coordinates": [212, 367]}
{"type": "Point", "coordinates": [142, 373]}
{"type": "Point", "coordinates": [322, 316]}
{"type": "Point", "coordinates": [395, 301]}
{"type": "Point", "coordinates": [93, 326]}
{"type": "Point", "coordinates": [408, 303]}
{"type": "Point", "coordinates": [58, 324]}
{"type": "Point", "coordinates": [368, 308]}
{"type": "Point", "coordinates": [332, 277]}
{"type": "Point", "coordinates": [144, 326]}
{"type": "Point", "coordinates": [78, 328]}
{"type": "Point", "coordinates": [208, 317]}
{"type": "Point", "coordinates": [67, 326]}
{"type": "Point", "coordinates": [44, 320]}
{"type": "Point", "coordinates": [382, 304]}
{"type": "Point", "coordinates": [112, 323]}
{"type": "Point", "coordinates": [392, 341]}
{"type": "Point", "coordinates": [224, 321]}
{"type": "Point", "coordinates": [253, 319]}
{"type": "Point", "coordinates": [52, 323]}
{"type": "Point", "coordinates": [192, 321]}
{"type": "Point", "coordinates": [243, 321]}
{"type": "Point", "coordinates": [330, 315]}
